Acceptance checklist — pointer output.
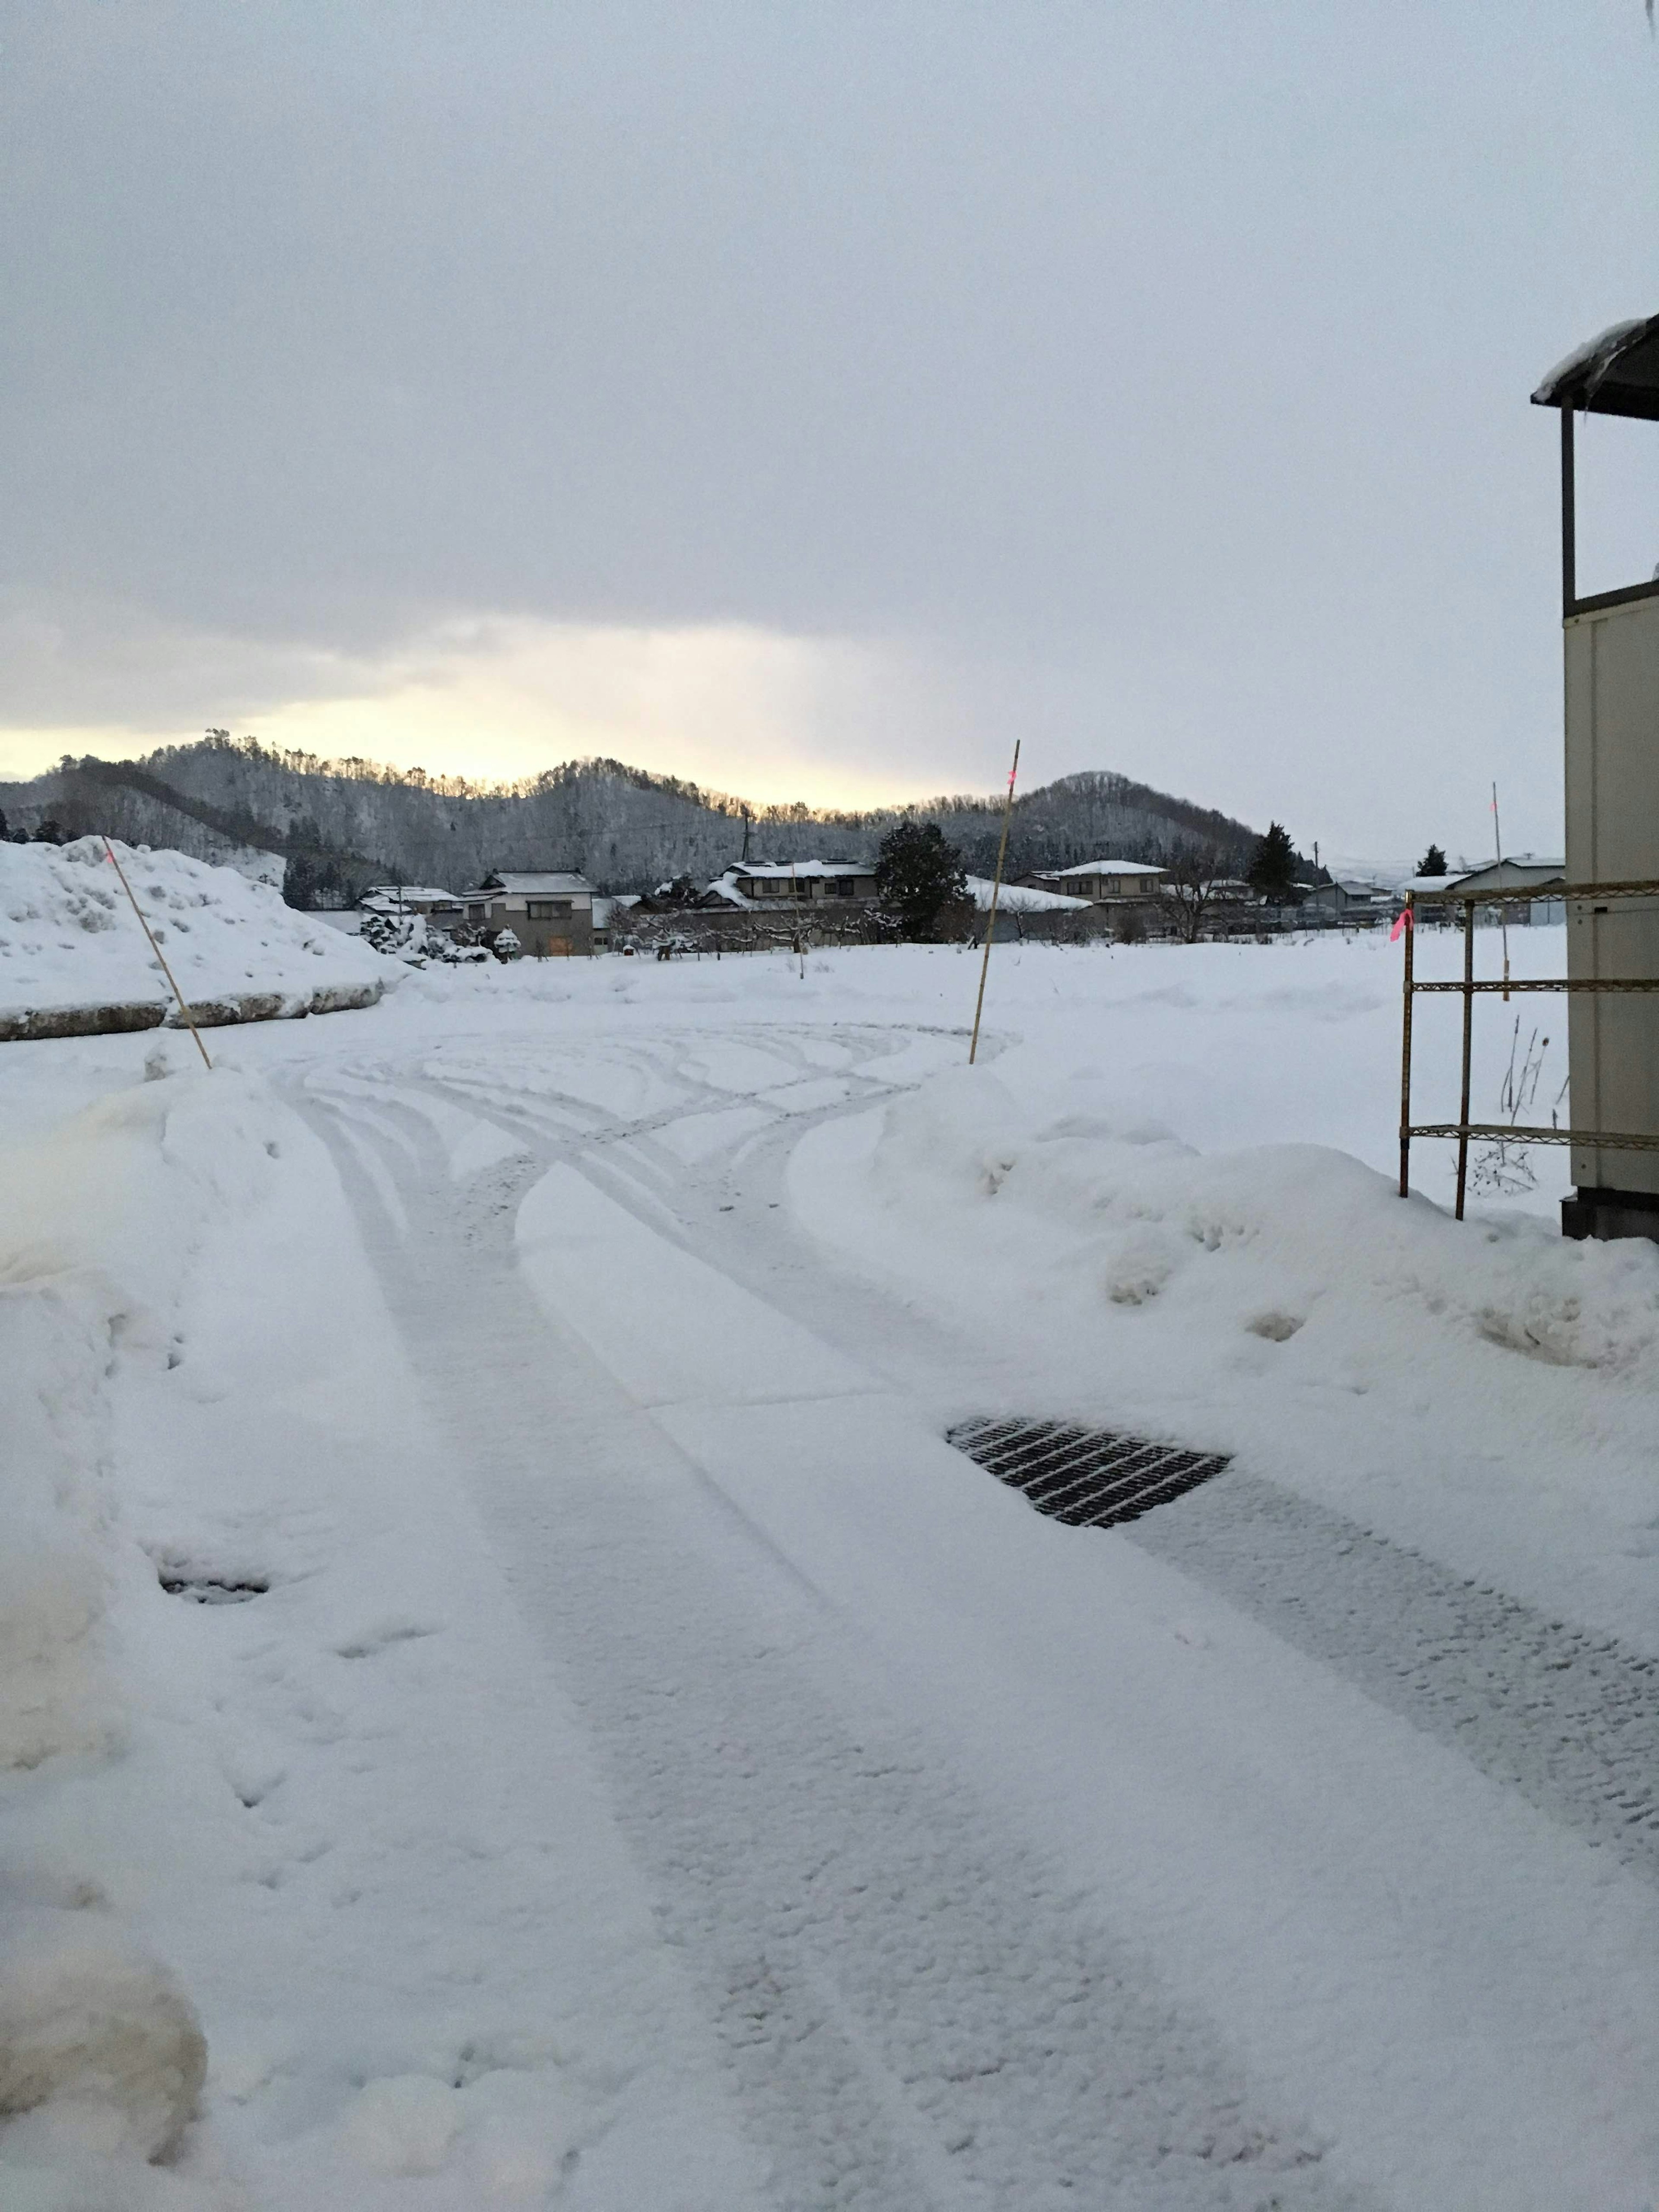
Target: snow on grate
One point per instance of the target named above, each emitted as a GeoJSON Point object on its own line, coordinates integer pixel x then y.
{"type": "Point", "coordinates": [1088, 1478]}
{"type": "Point", "coordinates": [204, 1588]}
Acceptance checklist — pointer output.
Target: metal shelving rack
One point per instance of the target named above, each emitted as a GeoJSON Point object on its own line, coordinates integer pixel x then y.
{"type": "Point", "coordinates": [1462, 1129]}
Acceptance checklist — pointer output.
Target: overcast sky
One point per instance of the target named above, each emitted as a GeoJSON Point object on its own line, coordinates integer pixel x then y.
{"type": "Point", "coordinates": [810, 398]}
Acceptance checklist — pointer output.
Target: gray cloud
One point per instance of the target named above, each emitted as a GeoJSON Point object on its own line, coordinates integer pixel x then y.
{"type": "Point", "coordinates": [1169, 365]}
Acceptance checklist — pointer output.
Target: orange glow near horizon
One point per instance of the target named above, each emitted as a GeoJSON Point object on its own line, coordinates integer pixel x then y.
{"type": "Point", "coordinates": [772, 719]}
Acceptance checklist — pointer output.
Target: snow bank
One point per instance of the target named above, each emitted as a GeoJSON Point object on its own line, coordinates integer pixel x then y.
{"type": "Point", "coordinates": [1299, 1213]}
{"type": "Point", "coordinates": [1022, 898]}
{"type": "Point", "coordinates": [419, 1959]}
{"type": "Point", "coordinates": [101, 2055]}
{"type": "Point", "coordinates": [73, 957]}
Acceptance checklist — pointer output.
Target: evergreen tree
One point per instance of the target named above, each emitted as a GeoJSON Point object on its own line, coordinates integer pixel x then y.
{"type": "Point", "coordinates": [1433, 862]}
{"type": "Point", "coordinates": [1272, 870]}
{"type": "Point", "coordinates": [300, 882]}
{"type": "Point", "coordinates": [917, 876]}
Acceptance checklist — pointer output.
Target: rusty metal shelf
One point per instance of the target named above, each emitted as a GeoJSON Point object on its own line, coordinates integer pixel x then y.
{"type": "Point", "coordinates": [1462, 1130]}
{"type": "Point", "coordinates": [1510, 1132]}
{"type": "Point", "coordinates": [1524, 894]}
{"type": "Point", "coordinates": [1551, 983]}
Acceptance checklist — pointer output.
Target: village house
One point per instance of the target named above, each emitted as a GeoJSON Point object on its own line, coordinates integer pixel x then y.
{"type": "Point", "coordinates": [441, 908]}
{"type": "Point", "coordinates": [1351, 902]}
{"type": "Point", "coordinates": [606, 913]}
{"type": "Point", "coordinates": [551, 915]}
{"type": "Point", "coordinates": [793, 884]}
{"type": "Point", "coordinates": [1102, 882]}
{"type": "Point", "coordinates": [1526, 875]}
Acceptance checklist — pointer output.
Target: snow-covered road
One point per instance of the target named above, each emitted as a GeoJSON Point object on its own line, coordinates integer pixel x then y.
{"type": "Point", "coordinates": [1285, 1848]}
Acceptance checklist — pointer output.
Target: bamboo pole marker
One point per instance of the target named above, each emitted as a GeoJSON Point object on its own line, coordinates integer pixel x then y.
{"type": "Point", "coordinates": [1503, 911]}
{"type": "Point", "coordinates": [190, 1018]}
{"type": "Point", "coordinates": [1408, 918]}
{"type": "Point", "coordinates": [1468, 1042]}
{"type": "Point", "coordinates": [996, 893]}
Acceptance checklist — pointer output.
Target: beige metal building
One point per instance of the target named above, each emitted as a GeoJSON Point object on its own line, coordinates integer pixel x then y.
{"type": "Point", "coordinates": [1612, 664]}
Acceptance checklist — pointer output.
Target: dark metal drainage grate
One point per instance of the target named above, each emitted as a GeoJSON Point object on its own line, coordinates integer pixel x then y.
{"type": "Point", "coordinates": [1087, 1478]}
{"type": "Point", "coordinates": [208, 1590]}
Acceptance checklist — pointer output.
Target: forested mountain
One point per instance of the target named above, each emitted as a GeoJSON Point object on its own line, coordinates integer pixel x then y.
{"type": "Point", "coordinates": [343, 824]}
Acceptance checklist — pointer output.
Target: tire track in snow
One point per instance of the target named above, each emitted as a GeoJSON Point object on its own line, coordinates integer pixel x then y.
{"type": "Point", "coordinates": [1567, 1718]}
{"type": "Point", "coordinates": [916, 2010]}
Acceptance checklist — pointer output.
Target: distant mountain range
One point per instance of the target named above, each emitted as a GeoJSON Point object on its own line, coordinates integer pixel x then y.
{"type": "Point", "coordinates": [342, 825]}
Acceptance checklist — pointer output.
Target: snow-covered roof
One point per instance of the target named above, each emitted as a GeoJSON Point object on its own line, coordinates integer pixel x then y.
{"type": "Point", "coordinates": [1523, 871]}
{"type": "Point", "coordinates": [395, 895]}
{"type": "Point", "coordinates": [774, 868]}
{"type": "Point", "coordinates": [1023, 898]}
{"type": "Point", "coordinates": [727, 891]}
{"type": "Point", "coordinates": [1102, 868]}
{"type": "Point", "coordinates": [557, 884]}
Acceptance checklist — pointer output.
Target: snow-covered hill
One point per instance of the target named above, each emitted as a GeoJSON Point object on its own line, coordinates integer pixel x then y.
{"type": "Point", "coordinates": [358, 823]}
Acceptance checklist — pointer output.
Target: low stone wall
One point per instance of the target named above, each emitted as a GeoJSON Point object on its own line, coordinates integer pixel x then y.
{"type": "Point", "coordinates": [44, 1022]}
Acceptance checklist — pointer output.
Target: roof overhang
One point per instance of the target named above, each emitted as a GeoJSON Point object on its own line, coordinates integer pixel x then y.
{"type": "Point", "coordinates": [1615, 374]}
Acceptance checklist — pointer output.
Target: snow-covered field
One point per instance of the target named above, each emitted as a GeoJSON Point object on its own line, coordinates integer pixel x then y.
{"type": "Point", "coordinates": [633, 1762]}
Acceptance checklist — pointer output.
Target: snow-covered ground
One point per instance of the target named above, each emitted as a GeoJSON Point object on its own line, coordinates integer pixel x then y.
{"type": "Point", "coordinates": [638, 1763]}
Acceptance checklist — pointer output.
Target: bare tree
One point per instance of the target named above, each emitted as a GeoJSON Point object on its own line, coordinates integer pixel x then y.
{"type": "Point", "coordinates": [1192, 880]}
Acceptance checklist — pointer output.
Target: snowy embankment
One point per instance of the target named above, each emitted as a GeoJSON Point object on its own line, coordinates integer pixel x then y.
{"type": "Point", "coordinates": [74, 959]}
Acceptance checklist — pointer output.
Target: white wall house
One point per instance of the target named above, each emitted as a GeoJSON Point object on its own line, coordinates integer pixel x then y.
{"type": "Point", "coordinates": [550, 914]}
{"type": "Point", "coordinates": [1100, 881]}
{"type": "Point", "coordinates": [789, 884]}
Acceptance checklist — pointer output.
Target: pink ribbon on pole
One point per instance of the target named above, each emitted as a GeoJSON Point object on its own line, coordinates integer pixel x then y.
{"type": "Point", "coordinates": [1402, 920]}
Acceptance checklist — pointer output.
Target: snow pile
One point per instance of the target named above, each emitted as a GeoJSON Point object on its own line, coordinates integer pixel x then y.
{"type": "Point", "coordinates": [1022, 898]}
{"type": "Point", "coordinates": [69, 941]}
{"type": "Point", "coordinates": [99, 2048]}
{"type": "Point", "coordinates": [101, 2055]}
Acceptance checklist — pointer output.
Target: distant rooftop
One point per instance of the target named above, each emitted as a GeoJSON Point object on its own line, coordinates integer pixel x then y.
{"type": "Point", "coordinates": [802, 868]}
{"type": "Point", "coordinates": [1103, 868]}
{"type": "Point", "coordinates": [407, 895]}
{"type": "Point", "coordinates": [557, 884]}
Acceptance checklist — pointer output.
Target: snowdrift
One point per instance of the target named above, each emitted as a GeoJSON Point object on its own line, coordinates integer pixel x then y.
{"type": "Point", "coordinates": [74, 960]}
